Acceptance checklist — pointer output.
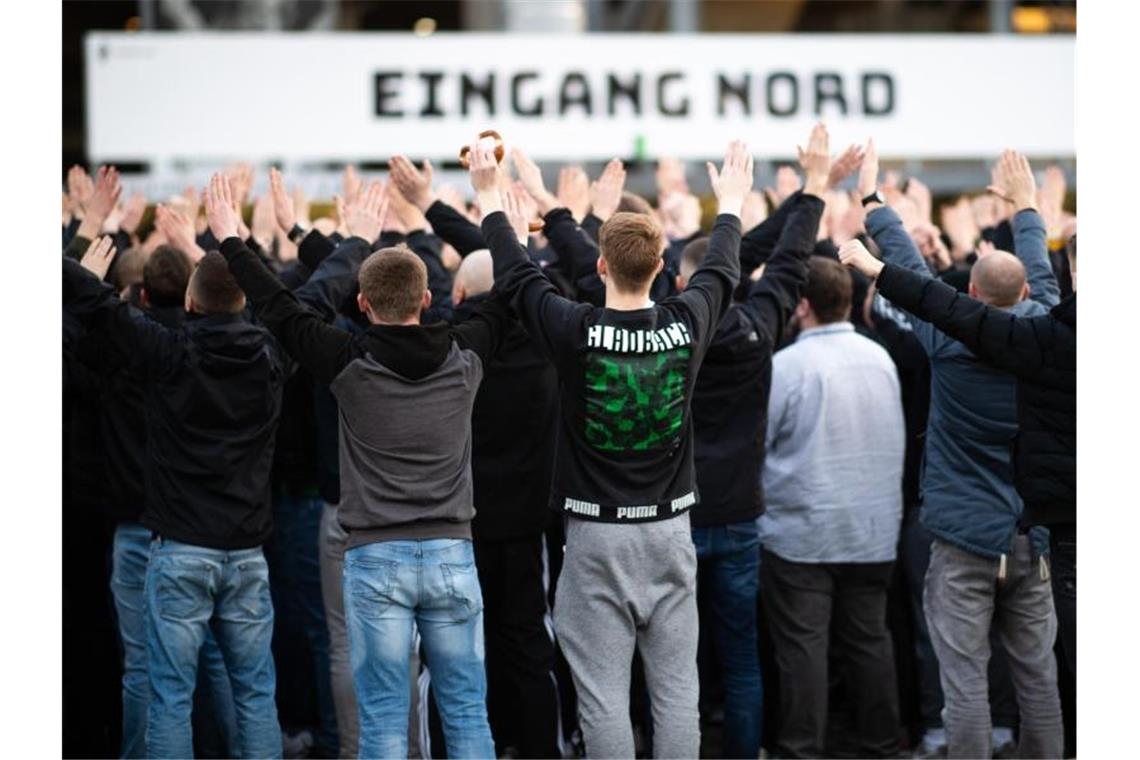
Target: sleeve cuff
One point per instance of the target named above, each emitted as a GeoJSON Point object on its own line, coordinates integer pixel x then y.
{"type": "Point", "coordinates": [232, 246]}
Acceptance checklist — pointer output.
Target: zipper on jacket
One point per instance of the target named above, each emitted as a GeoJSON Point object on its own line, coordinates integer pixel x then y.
{"type": "Point", "coordinates": [1003, 569]}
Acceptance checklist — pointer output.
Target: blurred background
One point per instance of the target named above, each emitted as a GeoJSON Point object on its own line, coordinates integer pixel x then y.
{"type": "Point", "coordinates": [842, 20]}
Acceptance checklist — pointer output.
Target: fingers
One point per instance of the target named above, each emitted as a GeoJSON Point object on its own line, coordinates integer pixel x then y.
{"type": "Point", "coordinates": [427, 171]}
{"type": "Point", "coordinates": [714, 175]}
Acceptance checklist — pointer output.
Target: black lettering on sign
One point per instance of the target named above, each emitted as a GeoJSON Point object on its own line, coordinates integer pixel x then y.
{"type": "Point", "coordinates": [386, 92]}
{"type": "Point", "coordinates": [469, 88]}
{"type": "Point", "coordinates": [886, 89]}
{"type": "Point", "coordinates": [575, 90]}
{"type": "Point", "coordinates": [739, 90]}
{"type": "Point", "coordinates": [518, 107]}
{"type": "Point", "coordinates": [793, 88]}
{"type": "Point", "coordinates": [666, 110]}
{"type": "Point", "coordinates": [829, 86]}
{"type": "Point", "coordinates": [431, 80]}
{"type": "Point", "coordinates": [631, 91]}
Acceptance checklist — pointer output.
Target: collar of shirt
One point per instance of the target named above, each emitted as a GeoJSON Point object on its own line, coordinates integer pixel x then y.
{"type": "Point", "coordinates": [834, 327]}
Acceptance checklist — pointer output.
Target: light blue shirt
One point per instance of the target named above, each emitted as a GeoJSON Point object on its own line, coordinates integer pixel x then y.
{"type": "Point", "coordinates": [836, 441]}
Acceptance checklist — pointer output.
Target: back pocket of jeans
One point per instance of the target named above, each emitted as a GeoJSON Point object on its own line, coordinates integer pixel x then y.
{"type": "Point", "coordinates": [463, 590]}
{"type": "Point", "coordinates": [182, 590]}
{"type": "Point", "coordinates": [370, 586]}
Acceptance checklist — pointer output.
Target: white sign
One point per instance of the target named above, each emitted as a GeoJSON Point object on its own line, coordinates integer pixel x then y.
{"type": "Point", "coordinates": [296, 97]}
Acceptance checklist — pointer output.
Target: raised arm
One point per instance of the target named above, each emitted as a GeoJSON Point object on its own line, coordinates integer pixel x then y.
{"type": "Point", "coordinates": [551, 320]}
{"type": "Point", "coordinates": [322, 350]}
{"type": "Point", "coordinates": [1017, 344]}
{"type": "Point", "coordinates": [709, 291]}
{"type": "Point", "coordinates": [1013, 180]}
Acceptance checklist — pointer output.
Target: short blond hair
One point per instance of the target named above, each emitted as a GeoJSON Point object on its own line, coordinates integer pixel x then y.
{"type": "Point", "coordinates": [631, 244]}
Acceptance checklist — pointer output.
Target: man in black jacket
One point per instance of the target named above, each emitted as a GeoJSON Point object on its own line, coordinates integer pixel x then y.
{"type": "Point", "coordinates": [730, 406]}
{"type": "Point", "coordinates": [213, 394]}
{"type": "Point", "coordinates": [1041, 351]}
{"type": "Point", "coordinates": [403, 390]}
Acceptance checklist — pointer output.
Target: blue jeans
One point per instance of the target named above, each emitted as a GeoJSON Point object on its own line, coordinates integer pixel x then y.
{"type": "Point", "coordinates": [390, 588]}
{"type": "Point", "coordinates": [128, 576]}
{"type": "Point", "coordinates": [728, 580]}
{"type": "Point", "coordinates": [191, 590]}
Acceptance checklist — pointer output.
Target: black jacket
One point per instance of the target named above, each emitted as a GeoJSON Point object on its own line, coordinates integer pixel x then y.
{"type": "Point", "coordinates": [1042, 352]}
{"type": "Point", "coordinates": [213, 396]}
{"type": "Point", "coordinates": [730, 403]}
{"type": "Point", "coordinates": [512, 436]}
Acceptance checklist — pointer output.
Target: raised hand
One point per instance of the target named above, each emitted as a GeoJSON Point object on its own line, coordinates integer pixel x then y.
{"type": "Point", "coordinates": [1013, 181]}
{"type": "Point", "coordinates": [855, 255]}
{"type": "Point", "coordinates": [79, 189]}
{"type": "Point", "coordinates": [531, 178]}
{"type": "Point", "coordinates": [101, 202]}
{"type": "Point", "coordinates": [844, 165]}
{"type": "Point", "coordinates": [284, 210]}
{"type": "Point", "coordinates": [670, 177]}
{"type": "Point", "coordinates": [605, 191]}
{"type": "Point", "coordinates": [681, 214]}
{"type": "Point", "coordinates": [487, 177]}
{"type": "Point", "coordinates": [178, 230]}
{"type": "Point", "coordinates": [518, 212]}
{"type": "Point", "coordinates": [97, 260]}
{"type": "Point", "coordinates": [407, 214]}
{"type": "Point", "coordinates": [365, 217]}
{"type": "Point", "coordinates": [816, 161]}
{"type": "Point", "coordinates": [241, 182]}
{"type": "Point", "coordinates": [918, 192]}
{"type": "Point", "coordinates": [574, 191]}
{"type": "Point", "coordinates": [958, 222]}
{"type": "Point", "coordinates": [220, 214]}
{"type": "Point", "coordinates": [301, 207]}
{"type": "Point", "coordinates": [754, 210]}
{"type": "Point", "coordinates": [787, 182]}
{"type": "Point", "coordinates": [413, 184]}
{"type": "Point", "coordinates": [985, 248]}
{"type": "Point", "coordinates": [734, 179]}
{"type": "Point", "coordinates": [263, 224]}
{"type": "Point", "coordinates": [133, 210]}
{"type": "Point", "coordinates": [869, 170]}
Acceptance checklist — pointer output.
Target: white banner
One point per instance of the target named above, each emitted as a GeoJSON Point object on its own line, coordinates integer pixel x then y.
{"type": "Point", "coordinates": [296, 97]}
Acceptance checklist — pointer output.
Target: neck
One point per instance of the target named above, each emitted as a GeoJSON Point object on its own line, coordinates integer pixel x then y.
{"type": "Point", "coordinates": [619, 301]}
{"type": "Point", "coordinates": [406, 321]}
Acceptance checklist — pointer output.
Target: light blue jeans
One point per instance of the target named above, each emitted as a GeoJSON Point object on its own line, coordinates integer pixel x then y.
{"type": "Point", "coordinates": [191, 590]}
{"type": "Point", "coordinates": [128, 578]}
{"type": "Point", "coordinates": [390, 589]}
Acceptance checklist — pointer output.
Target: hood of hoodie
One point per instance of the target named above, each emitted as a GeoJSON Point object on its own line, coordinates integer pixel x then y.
{"type": "Point", "coordinates": [413, 351]}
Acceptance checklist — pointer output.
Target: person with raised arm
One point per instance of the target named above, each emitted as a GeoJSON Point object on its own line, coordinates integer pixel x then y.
{"type": "Point", "coordinates": [403, 391]}
{"type": "Point", "coordinates": [623, 471]}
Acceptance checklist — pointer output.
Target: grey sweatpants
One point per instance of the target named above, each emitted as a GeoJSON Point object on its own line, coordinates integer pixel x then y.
{"type": "Point", "coordinates": [962, 595]}
{"type": "Point", "coordinates": [621, 586]}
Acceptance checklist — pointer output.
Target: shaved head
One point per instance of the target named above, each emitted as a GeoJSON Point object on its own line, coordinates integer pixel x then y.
{"type": "Point", "coordinates": [475, 276]}
{"type": "Point", "coordinates": [999, 279]}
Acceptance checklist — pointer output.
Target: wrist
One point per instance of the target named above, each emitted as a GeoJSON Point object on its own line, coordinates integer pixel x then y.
{"type": "Point", "coordinates": [489, 201]}
{"type": "Point", "coordinates": [423, 201]}
{"type": "Point", "coordinates": [816, 187]}
{"type": "Point", "coordinates": [90, 228]}
{"type": "Point", "coordinates": [730, 204]}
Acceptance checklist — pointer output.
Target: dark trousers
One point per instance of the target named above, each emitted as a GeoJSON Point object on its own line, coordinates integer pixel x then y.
{"type": "Point", "coordinates": [728, 575]}
{"type": "Point", "coordinates": [522, 697]}
{"type": "Point", "coordinates": [806, 605]}
{"type": "Point", "coordinates": [1063, 566]}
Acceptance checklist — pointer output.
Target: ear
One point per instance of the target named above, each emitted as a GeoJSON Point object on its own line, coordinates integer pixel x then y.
{"type": "Point", "coordinates": [681, 282]}
{"type": "Point", "coordinates": [144, 298]}
{"type": "Point", "coordinates": [188, 304]}
{"type": "Point", "coordinates": [802, 308]}
{"type": "Point", "coordinates": [362, 304]}
{"type": "Point", "coordinates": [458, 293]}
{"type": "Point", "coordinates": [425, 302]}
{"type": "Point", "coordinates": [1025, 290]}
{"type": "Point", "coordinates": [660, 266]}
{"type": "Point", "coordinates": [972, 291]}
{"type": "Point", "coordinates": [601, 267]}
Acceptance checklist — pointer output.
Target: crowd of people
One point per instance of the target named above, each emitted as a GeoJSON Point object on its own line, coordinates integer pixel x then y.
{"type": "Point", "coordinates": [555, 474]}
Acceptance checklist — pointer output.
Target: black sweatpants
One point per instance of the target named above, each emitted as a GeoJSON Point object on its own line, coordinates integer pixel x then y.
{"type": "Point", "coordinates": [522, 702]}
{"type": "Point", "coordinates": [806, 606]}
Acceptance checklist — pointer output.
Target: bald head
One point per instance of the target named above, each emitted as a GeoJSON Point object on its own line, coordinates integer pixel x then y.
{"type": "Point", "coordinates": [999, 279]}
{"type": "Point", "coordinates": [475, 276]}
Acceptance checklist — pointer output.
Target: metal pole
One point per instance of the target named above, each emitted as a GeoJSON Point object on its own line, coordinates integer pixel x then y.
{"type": "Point", "coordinates": [684, 16]}
{"type": "Point", "coordinates": [1000, 12]}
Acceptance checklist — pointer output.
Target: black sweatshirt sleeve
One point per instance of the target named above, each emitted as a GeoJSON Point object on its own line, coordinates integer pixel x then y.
{"type": "Point", "coordinates": [576, 251]}
{"type": "Point", "coordinates": [314, 248]}
{"type": "Point", "coordinates": [484, 330]}
{"type": "Point", "coordinates": [773, 298]}
{"type": "Point", "coordinates": [1004, 340]}
{"type": "Point", "coordinates": [592, 226]}
{"type": "Point", "coordinates": [553, 322]}
{"type": "Point", "coordinates": [709, 292]}
{"type": "Point", "coordinates": [76, 248]}
{"type": "Point", "coordinates": [335, 279]}
{"type": "Point", "coordinates": [321, 349]}
{"type": "Point", "coordinates": [757, 244]}
{"type": "Point", "coordinates": [454, 228]}
{"type": "Point", "coordinates": [93, 303]}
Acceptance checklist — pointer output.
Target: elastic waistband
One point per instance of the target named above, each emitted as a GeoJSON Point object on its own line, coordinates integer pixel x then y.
{"type": "Point", "coordinates": [634, 513]}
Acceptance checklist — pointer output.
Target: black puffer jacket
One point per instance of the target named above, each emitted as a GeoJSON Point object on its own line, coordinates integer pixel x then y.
{"type": "Point", "coordinates": [1042, 352]}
